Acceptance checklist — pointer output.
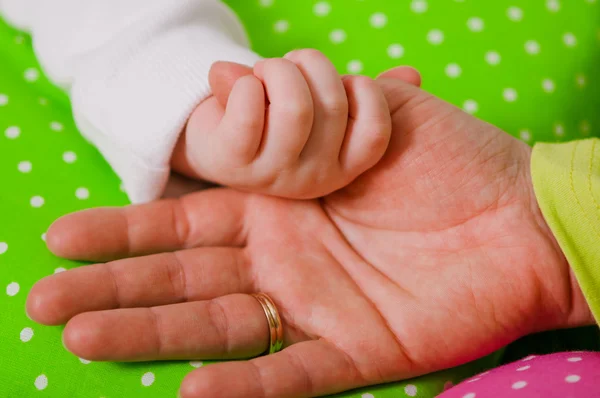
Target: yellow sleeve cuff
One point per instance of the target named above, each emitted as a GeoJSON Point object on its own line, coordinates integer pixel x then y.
{"type": "Point", "coordinates": [566, 180]}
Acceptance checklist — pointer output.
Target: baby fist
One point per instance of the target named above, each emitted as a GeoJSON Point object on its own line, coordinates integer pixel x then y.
{"type": "Point", "coordinates": [291, 127]}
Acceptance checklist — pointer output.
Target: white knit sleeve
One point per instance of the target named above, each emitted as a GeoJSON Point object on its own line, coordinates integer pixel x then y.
{"type": "Point", "coordinates": [134, 69]}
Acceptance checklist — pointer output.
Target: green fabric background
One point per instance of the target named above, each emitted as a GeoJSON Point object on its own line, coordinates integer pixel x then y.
{"type": "Point", "coordinates": [548, 52]}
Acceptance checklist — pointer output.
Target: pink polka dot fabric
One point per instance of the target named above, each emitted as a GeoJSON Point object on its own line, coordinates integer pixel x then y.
{"type": "Point", "coordinates": [564, 375]}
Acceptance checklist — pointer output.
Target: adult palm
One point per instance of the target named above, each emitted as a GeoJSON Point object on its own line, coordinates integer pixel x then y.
{"type": "Point", "coordinates": [435, 257]}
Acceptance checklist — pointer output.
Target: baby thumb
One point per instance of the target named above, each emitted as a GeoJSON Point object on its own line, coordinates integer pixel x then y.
{"type": "Point", "coordinates": [222, 77]}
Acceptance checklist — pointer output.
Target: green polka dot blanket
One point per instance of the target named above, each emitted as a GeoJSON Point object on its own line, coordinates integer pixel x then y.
{"type": "Point", "coordinates": [530, 67]}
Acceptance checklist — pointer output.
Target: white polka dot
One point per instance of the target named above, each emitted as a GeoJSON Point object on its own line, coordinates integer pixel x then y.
{"type": "Point", "coordinates": [82, 193]}
{"type": "Point", "coordinates": [453, 70]}
{"type": "Point", "coordinates": [418, 6]}
{"type": "Point", "coordinates": [367, 395]}
{"type": "Point", "coordinates": [148, 379]}
{"type": "Point", "coordinates": [569, 39]}
{"type": "Point", "coordinates": [572, 378]}
{"type": "Point", "coordinates": [59, 270]}
{"type": "Point", "coordinates": [19, 39]}
{"type": "Point", "coordinates": [574, 359]}
{"type": "Point", "coordinates": [24, 166]}
{"type": "Point", "coordinates": [26, 335]}
{"type": "Point", "coordinates": [471, 106]}
{"type": "Point", "coordinates": [532, 47]}
{"type": "Point", "coordinates": [470, 395]}
{"type": "Point", "coordinates": [410, 390]}
{"type": "Point", "coordinates": [43, 101]}
{"type": "Point", "coordinates": [515, 14]}
{"type": "Point", "coordinates": [12, 132]}
{"type": "Point", "coordinates": [354, 66]}
{"type": "Point", "coordinates": [522, 368]}
{"type": "Point", "coordinates": [56, 126]}
{"type": "Point", "coordinates": [36, 201]}
{"type": "Point", "coordinates": [473, 380]}
{"type": "Point", "coordinates": [12, 289]}
{"type": "Point", "coordinates": [475, 24]}
{"type": "Point", "coordinates": [548, 85]}
{"type": "Point", "coordinates": [41, 382]}
{"type": "Point", "coordinates": [3, 247]}
{"type": "Point", "coordinates": [553, 5]}
{"type": "Point", "coordinates": [3, 99]}
{"type": "Point", "coordinates": [581, 80]}
{"type": "Point", "coordinates": [435, 36]}
{"type": "Point", "coordinates": [281, 26]}
{"type": "Point", "coordinates": [196, 364]}
{"type": "Point", "coordinates": [378, 20]}
{"type": "Point", "coordinates": [492, 58]}
{"type": "Point", "coordinates": [84, 361]}
{"type": "Point", "coordinates": [44, 236]}
{"type": "Point", "coordinates": [559, 129]}
{"type": "Point", "coordinates": [337, 36]}
{"type": "Point", "coordinates": [525, 136]}
{"type": "Point", "coordinates": [395, 51]}
{"type": "Point", "coordinates": [31, 74]}
{"type": "Point", "coordinates": [510, 94]}
{"type": "Point", "coordinates": [519, 384]}
{"type": "Point", "coordinates": [585, 128]}
{"type": "Point", "coordinates": [69, 157]}
{"type": "Point", "coordinates": [322, 8]}
{"type": "Point", "coordinates": [266, 3]}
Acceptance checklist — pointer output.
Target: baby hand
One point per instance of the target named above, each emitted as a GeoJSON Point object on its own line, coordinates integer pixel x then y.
{"type": "Point", "coordinates": [292, 127]}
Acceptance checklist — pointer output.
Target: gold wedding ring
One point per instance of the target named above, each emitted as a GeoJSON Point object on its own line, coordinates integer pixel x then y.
{"type": "Point", "coordinates": [274, 321]}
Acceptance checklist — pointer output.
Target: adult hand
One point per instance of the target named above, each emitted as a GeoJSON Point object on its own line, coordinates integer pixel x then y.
{"type": "Point", "coordinates": [437, 256]}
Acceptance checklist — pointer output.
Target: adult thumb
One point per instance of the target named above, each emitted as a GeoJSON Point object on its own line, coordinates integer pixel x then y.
{"type": "Point", "coordinates": [399, 85]}
{"type": "Point", "coordinates": [405, 73]}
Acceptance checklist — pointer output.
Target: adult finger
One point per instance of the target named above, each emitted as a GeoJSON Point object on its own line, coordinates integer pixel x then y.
{"type": "Point", "coordinates": [224, 328]}
{"type": "Point", "coordinates": [306, 369]}
{"type": "Point", "coordinates": [210, 218]}
{"type": "Point", "coordinates": [197, 274]}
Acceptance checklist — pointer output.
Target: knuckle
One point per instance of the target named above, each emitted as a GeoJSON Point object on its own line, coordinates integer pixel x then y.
{"type": "Point", "coordinates": [220, 323]}
{"type": "Point", "coordinates": [308, 55]}
{"type": "Point", "coordinates": [378, 134]}
{"type": "Point", "coordinates": [360, 81]}
{"type": "Point", "coordinates": [248, 123]}
{"type": "Point", "coordinates": [298, 112]}
{"type": "Point", "coordinates": [335, 106]}
{"type": "Point", "coordinates": [272, 64]}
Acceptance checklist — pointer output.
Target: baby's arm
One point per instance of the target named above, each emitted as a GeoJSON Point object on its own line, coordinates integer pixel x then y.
{"type": "Point", "coordinates": [135, 70]}
{"type": "Point", "coordinates": [292, 127]}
